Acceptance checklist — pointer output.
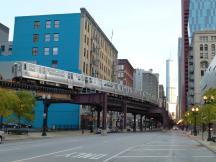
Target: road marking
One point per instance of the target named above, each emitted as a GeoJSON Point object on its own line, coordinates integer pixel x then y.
{"type": "Point", "coordinates": [83, 155]}
{"type": "Point", "coordinates": [157, 149]}
{"type": "Point", "coordinates": [143, 156]}
{"type": "Point", "coordinates": [203, 156]}
{"type": "Point", "coordinates": [114, 156]}
{"type": "Point", "coordinates": [98, 156]}
{"type": "Point", "coordinates": [10, 149]}
{"type": "Point", "coordinates": [67, 155]}
{"type": "Point", "coordinates": [44, 155]}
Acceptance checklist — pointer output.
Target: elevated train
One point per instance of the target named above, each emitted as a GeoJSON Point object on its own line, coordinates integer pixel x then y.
{"type": "Point", "coordinates": [37, 74]}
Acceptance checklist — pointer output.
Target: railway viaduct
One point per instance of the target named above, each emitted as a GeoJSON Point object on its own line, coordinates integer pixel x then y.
{"type": "Point", "coordinates": [103, 102]}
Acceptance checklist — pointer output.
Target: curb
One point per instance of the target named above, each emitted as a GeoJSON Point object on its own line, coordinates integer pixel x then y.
{"type": "Point", "coordinates": [202, 143]}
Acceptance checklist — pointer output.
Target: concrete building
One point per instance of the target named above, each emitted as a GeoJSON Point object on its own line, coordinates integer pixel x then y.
{"type": "Point", "coordinates": [72, 42]}
{"type": "Point", "coordinates": [203, 50]}
{"type": "Point", "coordinates": [197, 15]}
{"type": "Point", "coordinates": [4, 33]}
{"type": "Point", "coordinates": [137, 79]}
{"type": "Point", "coordinates": [125, 72]}
{"type": "Point", "coordinates": [162, 97]}
{"type": "Point", "coordinates": [5, 45]}
{"type": "Point", "coordinates": [150, 83]}
{"type": "Point", "coordinates": [146, 81]}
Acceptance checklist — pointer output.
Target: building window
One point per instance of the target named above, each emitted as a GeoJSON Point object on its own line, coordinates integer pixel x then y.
{"type": "Point", "coordinates": [84, 67]}
{"type": "Point", "coordinates": [56, 23]}
{"type": "Point", "coordinates": [54, 63]}
{"type": "Point", "coordinates": [84, 53]}
{"type": "Point", "coordinates": [201, 47]}
{"type": "Point", "coordinates": [47, 37]}
{"type": "Point", "coordinates": [10, 47]}
{"type": "Point", "coordinates": [56, 37]}
{"type": "Point", "coordinates": [35, 51]}
{"type": "Point", "coordinates": [202, 72]}
{"type": "Point", "coordinates": [35, 38]}
{"type": "Point", "coordinates": [55, 50]}
{"type": "Point", "coordinates": [204, 64]}
{"type": "Point", "coordinates": [48, 24]}
{"type": "Point", "coordinates": [36, 24]}
{"type": "Point", "coordinates": [206, 47]}
{"type": "Point", "coordinates": [2, 48]}
{"type": "Point", "coordinates": [46, 51]}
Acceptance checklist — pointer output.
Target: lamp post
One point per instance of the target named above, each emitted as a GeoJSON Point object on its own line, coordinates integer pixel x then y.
{"type": "Point", "coordinates": [195, 110]}
{"type": "Point", "coordinates": [46, 105]}
{"type": "Point", "coordinates": [208, 100]}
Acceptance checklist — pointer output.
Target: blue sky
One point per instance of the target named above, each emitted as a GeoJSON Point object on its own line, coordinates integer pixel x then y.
{"type": "Point", "coordinates": [144, 31]}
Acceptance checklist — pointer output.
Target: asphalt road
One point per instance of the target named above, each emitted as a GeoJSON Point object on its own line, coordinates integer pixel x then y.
{"type": "Point", "coordinates": [122, 147]}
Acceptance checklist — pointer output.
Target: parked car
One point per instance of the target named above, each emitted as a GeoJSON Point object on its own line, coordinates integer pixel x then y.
{"type": "Point", "coordinates": [1, 136]}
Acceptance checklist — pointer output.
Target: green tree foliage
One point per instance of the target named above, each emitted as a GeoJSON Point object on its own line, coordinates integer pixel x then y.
{"type": "Point", "coordinates": [25, 106]}
{"type": "Point", "coordinates": [8, 102]}
{"type": "Point", "coordinates": [208, 111]}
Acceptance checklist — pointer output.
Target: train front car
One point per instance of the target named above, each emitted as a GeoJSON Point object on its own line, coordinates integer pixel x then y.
{"type": "Point", "coordinates": [27, 72]}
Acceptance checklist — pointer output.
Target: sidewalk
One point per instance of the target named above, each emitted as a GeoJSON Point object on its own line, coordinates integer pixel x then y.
{"type": "Point", "coordinates": [209, 144]}
{"type": "Point", "coordinates": [37, 135]}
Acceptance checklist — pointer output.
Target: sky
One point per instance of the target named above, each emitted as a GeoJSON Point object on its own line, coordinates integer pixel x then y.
{"type": "Point", "coordinates": [144, 31]}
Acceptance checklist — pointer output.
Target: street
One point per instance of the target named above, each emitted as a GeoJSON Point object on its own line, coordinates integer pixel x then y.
{"type": "Point", "coordinates": [120, 147]}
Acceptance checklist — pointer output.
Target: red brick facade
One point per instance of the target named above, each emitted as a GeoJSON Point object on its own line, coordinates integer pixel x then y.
{"type": "Point", "coordinates": [125, 72]}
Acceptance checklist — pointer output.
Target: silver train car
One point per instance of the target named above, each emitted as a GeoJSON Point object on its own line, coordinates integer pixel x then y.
{"type": "Point", "coordinates": [209, 79]}
{"type": "Point", "coordinates": [37, 74]}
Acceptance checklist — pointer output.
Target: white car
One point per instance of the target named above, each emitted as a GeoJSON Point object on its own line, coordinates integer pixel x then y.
{"type": "Point", "coordinates": [1, 136]}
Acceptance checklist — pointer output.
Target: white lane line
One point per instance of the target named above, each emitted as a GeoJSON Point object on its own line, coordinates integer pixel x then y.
{"type": "Point", "coordinates": [10, 149]}
{"type": "Point", "coordinates": [158, 149]}
{"type": "Point", "coordinates": [203, 156]}
{"type": "Point", "coordinates": [44, 155]}
{"type": "Point", "coordinates": [114, 156]}
{"type": "Point", "coordinates": [143, 156]}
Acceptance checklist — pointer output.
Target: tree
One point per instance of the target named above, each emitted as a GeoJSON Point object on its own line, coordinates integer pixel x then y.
{"type": "Point", "coordinates": [209, 109]}
{"type": "Point", "coordinates": [25, 106]}
{"type": "Point", "coordinates": [8, 102]}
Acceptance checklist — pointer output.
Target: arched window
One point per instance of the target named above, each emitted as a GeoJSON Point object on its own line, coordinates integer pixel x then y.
{"type": "Point", "coordinates": [204, 64]}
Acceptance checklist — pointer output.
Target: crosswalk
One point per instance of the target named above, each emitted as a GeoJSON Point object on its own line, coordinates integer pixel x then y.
{"type": "Point", "coordinates": [82, 155]}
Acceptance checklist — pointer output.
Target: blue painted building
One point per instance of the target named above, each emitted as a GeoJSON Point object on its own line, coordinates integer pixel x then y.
{"type": "Point", "coordinates": [50, 40]}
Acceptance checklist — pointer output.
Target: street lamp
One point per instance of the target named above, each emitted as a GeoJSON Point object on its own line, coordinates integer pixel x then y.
{"type": "Point", "coordinates": [195, 110]}
{"type": "Point", "coordinates": [45, 98]}
{"type": "Point", "coordinates": [206, 101]}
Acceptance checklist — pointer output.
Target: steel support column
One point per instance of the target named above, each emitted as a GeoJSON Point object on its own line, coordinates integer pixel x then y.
{"type": "Point", "coordinates": [141, 123]}
{"type": "Point", "coordinates": [45, 117]}
{"type": "Point", "coordinates": [104, 116]}
{"type": "Point", "coordinates": [124, 105]}
{"type": "Point", "coordinates": [98, 118]}
{"type": "Point", "coordinates": [134, 125]}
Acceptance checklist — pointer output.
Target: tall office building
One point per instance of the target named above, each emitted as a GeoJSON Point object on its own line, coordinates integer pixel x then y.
{"type": "Point", "coordinates": [147, 81]}
{"type": "Point", "coordinates": [72, 42]}
{"type": "Point", "coordinates": [170, 88]}
{"type": "Point", "coordinates": [197, 15]}
{"type": "Point", "coordinates": [180, 77]}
